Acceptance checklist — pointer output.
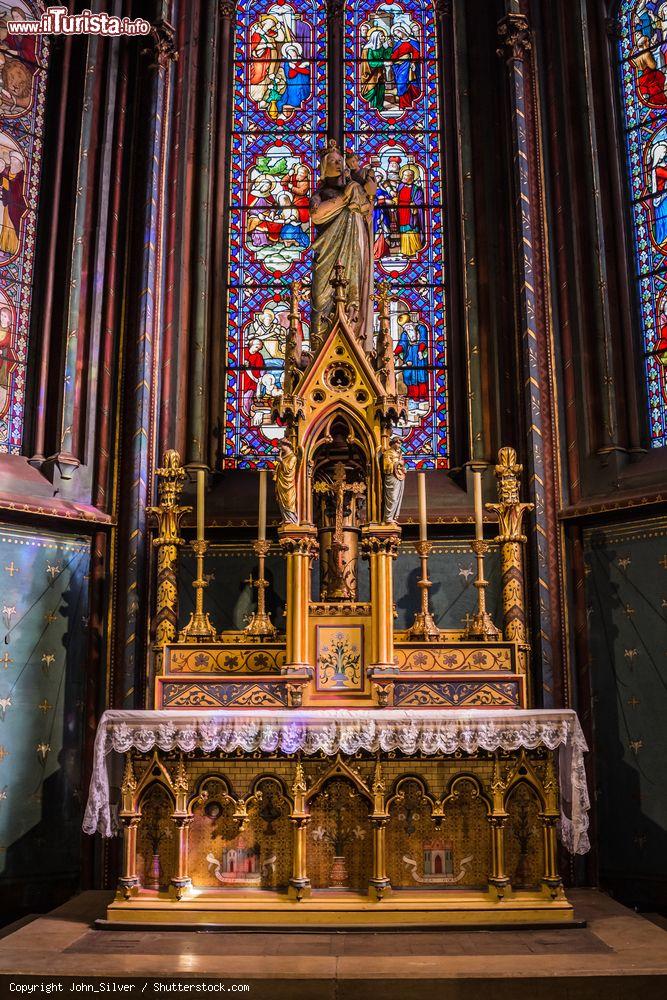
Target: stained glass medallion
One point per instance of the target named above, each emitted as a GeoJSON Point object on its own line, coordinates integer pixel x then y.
{"type": "Point", "coordinates": [643, 70]}
{"type": "Point", "coordinates": [392, 119]}
{"type": "Point", "coordinates": [280, 119]}
{"type": "Point", "coordinates": [23, 62]}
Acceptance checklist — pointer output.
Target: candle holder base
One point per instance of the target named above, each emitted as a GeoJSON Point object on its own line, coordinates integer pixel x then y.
{"type": "Point", "coordinates": [480, 628]}
{"type": "Point", "coordinates": [260, 626]}
{"type": "Point", "coordinates": [198, 629]}
{"type": "Point", "coordinates": [424, 627]}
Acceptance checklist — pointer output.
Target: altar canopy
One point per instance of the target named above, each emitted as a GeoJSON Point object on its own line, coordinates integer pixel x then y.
{"type": "Point", "coordinates": [344, 731]}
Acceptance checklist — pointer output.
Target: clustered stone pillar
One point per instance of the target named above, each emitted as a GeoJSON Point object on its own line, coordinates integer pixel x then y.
{"type": "Point", "coordinates": [498, 880]}
{"type": "Point", "coordinates": [299, 542]}
{"type": "Point", "coordinates": [129, 815]}
{"type": "Point", "coordinates": [181, 881]}
{"type": "Point", "coordinates": [379, 543]}
{"type": "Point", "coordinates": [299, 883]}
{"type": "Point", "coordinates": [379, 883]}
{"type": "Point", "coordinates": [550, 817]}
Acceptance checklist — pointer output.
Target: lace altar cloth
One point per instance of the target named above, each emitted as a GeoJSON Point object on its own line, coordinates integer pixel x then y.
{"type": "Point", "coordinates": [330, 730]}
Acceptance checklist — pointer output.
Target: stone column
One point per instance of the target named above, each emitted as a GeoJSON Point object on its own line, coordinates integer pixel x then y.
{"type": "Point", "coordinates": [299, 883]}
{"type": "Point", "coordinates": [379, 543]}
{"type": "Point", "coordinates": [128, 883]}
{"type": "Point", "coordinates": [181, 881]}
{"type": "Point", "coordinates": [143, 332]}
{"type": "Point", "coordinates": [299, 542]}
{"type": "Point", "coordinates": [379, 883]}
{"type": "Point", "coordinates": [202, 281]}
{"type": "Point", "coordinates": [551, 880]}
{"type": "Point", "coordinates": [535, 333]}
{"type": "Point", "coordinates": [498, 880]}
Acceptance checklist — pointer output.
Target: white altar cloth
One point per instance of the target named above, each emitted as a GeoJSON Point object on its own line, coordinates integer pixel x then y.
{"type": "Point", "coordinates": [348, 730]}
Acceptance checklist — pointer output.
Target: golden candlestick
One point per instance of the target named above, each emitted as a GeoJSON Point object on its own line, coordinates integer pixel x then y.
{"type": "Point", "coordinates": [421, 492]}
{"type": "Point", "coordinates": [199, 628]}
{"type": "Point", "coordinates": [260, 625]}
{"type": "Point", "coordinates": [261, 516]}
{"type": "Point", "coordinates": [201, 503]}
{"type": "Point", "coordinates": [480, 627]}
{"type": "Point", "coordinates": [423, 627]}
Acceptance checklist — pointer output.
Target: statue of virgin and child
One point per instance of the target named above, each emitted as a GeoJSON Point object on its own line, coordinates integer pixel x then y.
{"type": "Point", "coordinates": [342, 210]}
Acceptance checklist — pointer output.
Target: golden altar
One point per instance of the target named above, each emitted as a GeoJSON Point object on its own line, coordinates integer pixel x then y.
{"type": "Point", "coordinates": [344, 773]}
{"type": "Point", "coordinates": [342, 817]}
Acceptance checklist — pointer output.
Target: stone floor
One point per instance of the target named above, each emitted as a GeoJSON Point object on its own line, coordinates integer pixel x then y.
{"type": "Point", "coordinates": [617, 956]}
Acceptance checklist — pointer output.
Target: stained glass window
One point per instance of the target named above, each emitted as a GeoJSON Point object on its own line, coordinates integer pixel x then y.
{"type": "Point", "coordinates": [392, 120]}
{"type": "Point", "coordinates": [280, 118]}
{"type": "Point", "coordinates": [643, 68]}
{"type": "Point", "coordinates": [23, 62]}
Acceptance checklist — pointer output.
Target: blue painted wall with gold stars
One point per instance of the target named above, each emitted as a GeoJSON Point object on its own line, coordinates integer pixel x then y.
{"type": "Point", "coordinates": [626, 595]}
{"type": "Point", "coordinates": [43, 621]}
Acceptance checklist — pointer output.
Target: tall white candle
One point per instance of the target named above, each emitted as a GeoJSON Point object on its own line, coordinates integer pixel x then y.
{"type": "Point", "coordinates": [477, 494]}
{"type": "Point", "coordinates": [421, 489]}
{"type": "Point", "coordinates": [261, 519]}
{"type": "Point", "coordinates": [201, 485]}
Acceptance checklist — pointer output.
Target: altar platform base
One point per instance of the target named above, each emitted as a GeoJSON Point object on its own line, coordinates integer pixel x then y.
{"type": "Point", "coordinates": [263, 909]}
{"type": "Point", "coordinates": [618, 955]}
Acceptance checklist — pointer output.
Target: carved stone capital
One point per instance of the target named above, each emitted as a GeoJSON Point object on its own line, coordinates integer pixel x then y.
{"type": "Point", "coordinates": [335, 9]}
{"type": "Point", "coordinates": [515, 37]}
{"type": "Point", "coordinates": [167, 515]}
{"type": "Point", "coordinates": [377, 539]}
{"type": "Point", "coordinates": [298, 539]}
{"type": "Point", "coordinates": [227, 9]}
{"type": "Point", "coordinates": [443, 8]}
{"type": "Point", "coordinates": [162, 48]}
{"type": "Point", "coordinates": [509, 509]}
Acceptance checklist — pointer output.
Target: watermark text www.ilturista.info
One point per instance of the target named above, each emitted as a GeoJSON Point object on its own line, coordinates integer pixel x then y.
{"type": "Point", "coordinates": [58, 21]}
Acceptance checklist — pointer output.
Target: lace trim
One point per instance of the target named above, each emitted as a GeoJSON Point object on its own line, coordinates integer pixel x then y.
{"type": "Point", "coordinates": [349, 731]}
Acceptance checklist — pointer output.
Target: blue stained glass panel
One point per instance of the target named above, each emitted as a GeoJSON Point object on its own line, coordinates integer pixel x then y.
{"type": "Point", "coordinates": [642, 52]}
{"type": "Point", "coordinates": [279, 123]}
{"type": "Point", "coordinates": [392, 120]}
